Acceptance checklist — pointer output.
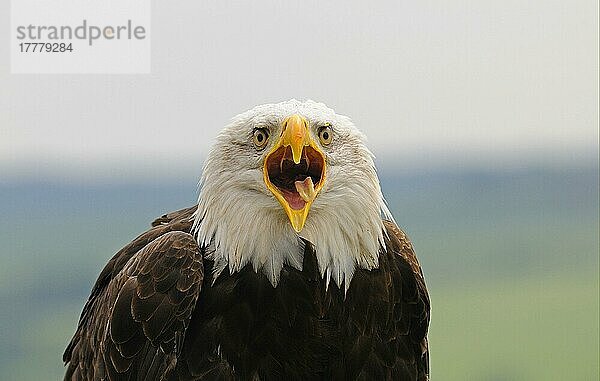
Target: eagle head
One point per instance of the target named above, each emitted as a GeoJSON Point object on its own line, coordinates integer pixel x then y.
{"type": "Point", "coordinates": [283, 175]}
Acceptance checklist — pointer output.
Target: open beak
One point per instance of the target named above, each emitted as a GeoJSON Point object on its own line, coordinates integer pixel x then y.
{"type": "Point", "coordinates": [294, 170]}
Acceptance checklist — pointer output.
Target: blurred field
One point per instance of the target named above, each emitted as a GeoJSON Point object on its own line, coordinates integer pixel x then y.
{"type": "Point", "coordinates": [511, 261]}
{"type": "Point", "coordinates": [543, 328]}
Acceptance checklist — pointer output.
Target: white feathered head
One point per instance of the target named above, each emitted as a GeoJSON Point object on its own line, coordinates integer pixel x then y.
{"type": "Point", "coordinates": [285, 171]}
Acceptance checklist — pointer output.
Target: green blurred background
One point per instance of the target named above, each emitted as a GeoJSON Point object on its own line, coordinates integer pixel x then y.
{"type": "Point", "coordinates": [510, 258]}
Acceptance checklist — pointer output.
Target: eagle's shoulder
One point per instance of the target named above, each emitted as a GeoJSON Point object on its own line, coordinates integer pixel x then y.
{"type": "Point", "coordinates": [140, 305]}
{"type": "Point", "coordinates": [413, 298]}
{"type": "Point", "coordinates": [398, 243]}
{"type": "Point", "coordinates": [184, 218]}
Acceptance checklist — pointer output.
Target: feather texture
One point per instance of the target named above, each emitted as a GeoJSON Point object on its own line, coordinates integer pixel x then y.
{"type": "Point", "coordinates": [241, 222]}
{"type": "Point", "coordinates": [133, 324]}
{"type": "Point", "coordinates": [228, 290]}
{"type": "Point", "coordinates": [146, 324]}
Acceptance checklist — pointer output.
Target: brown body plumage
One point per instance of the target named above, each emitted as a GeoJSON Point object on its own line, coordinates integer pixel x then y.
{"type": "Point", "coordinates": [156, 313]}
{"type": "Point", "coordinates": [289, 268]}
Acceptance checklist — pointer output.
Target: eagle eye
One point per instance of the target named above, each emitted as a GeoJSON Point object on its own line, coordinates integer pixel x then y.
{"type": "Point", "coordinates": [260, 137]}
{"type": "Point", "coordinates": [325, 135]}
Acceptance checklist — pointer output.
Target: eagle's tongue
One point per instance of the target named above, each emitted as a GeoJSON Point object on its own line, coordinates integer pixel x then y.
{"type": "Point", "coordinates": [306, 189]}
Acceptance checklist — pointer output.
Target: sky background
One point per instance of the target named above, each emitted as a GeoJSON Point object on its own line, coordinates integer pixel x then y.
{"type": "Point", "coordinates": [449, 84]}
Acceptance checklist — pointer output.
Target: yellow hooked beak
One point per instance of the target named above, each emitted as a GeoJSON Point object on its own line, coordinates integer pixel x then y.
{"type": "Point", "coordinates": [294, 170]}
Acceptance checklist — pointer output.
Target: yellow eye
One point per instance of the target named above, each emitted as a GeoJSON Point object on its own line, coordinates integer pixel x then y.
{"type": "Point", "coordinates": [325, 135]}
{"type": "Point", "coordinates": [260, 137]}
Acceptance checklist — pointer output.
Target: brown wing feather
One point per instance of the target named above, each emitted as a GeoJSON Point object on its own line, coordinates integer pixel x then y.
{"type": "Point", "coordinates": [133, 325]}
{"type": "Point", "coordinates": [182, 214]}
{"type": "Point", "coordinates": [301, 329]}
{"type": "Point", "coordinates": [412, 310]}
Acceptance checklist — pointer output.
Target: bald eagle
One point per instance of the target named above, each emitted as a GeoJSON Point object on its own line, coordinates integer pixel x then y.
{"type": "Point", "coordinates": [290, 267]}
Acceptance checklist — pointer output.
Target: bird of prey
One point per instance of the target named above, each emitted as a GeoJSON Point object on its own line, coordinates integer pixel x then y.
{"type": "Point", "coordinates": [290, 267]}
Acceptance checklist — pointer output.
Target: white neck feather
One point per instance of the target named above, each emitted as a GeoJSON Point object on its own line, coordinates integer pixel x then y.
{"type": "Point", "coordinates": [241, 223]}
{"type": "Point", "coordinates": [242, 226]}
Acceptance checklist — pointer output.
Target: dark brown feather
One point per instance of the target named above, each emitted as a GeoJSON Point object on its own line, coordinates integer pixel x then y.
{"type": "Point", "coordinates": [136, 312]}
{"type": "Point", "coordinates": [242, 328]}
